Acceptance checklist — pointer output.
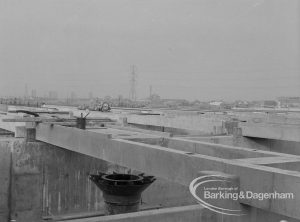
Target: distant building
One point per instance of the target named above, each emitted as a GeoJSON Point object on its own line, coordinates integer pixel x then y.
{"type": "Point", "coordinates": [270, 104]}
{"type": "Point", "coordinates": [289, 101]}
{"type": "Point", "coordinates": [216, 103]}
{"type": "Point", "coordinates": [154, 98]}
{"type": "Point", "coordinates": [241, 104]}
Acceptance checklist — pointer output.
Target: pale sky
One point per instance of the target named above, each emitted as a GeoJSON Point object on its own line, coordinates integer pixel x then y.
{"type": "Point", "coordinates": [193, 49]}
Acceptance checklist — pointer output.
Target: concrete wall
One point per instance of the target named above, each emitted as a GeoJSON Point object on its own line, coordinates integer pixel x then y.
{"type": "Point", "coordinates": [48, 180]}
{"type": "Point", "coordinates": [196, 123]}
{"type": "Point", "coordinates": [39, 179]}
{"type": "Point", "coordinates": [280, 146]}
{"type": "Point", "coordinates": [5, 164]}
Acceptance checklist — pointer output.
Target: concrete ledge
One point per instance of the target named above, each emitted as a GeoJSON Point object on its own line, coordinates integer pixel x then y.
{"type": "Point", "coordinates": [188, 123]}
{"type": "Point", "coordinates": [9, 126]}
{"type": "Point", "coordinates": [289, 132]}
{"type": "Point", "coordinates": [220, 150]}
{"type": "Point", "coordinates": [133, 129]}
{"type": "Point", "coordinates": [269, 160]}
{"type": "Point", "coordinates": [174, 214]}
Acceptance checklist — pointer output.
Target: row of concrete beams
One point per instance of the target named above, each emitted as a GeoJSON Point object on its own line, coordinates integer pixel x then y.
{"type": "Point", "coordinates": [288, 132]}
{"type": "Point", "coordinates": [182, 166]}
{"type": "Point", "coordinates": [257, 127]}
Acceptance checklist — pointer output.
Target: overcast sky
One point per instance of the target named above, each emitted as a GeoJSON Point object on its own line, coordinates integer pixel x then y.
{"type": "Point", "coordinates": [193, 49]}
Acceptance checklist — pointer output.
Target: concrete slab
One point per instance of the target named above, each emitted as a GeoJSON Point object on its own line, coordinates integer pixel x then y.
{"type": "Point", "coordinates": [175, 214]}
{"type": "Point", "coordinates": [10, 126]}
{"type": "Point", "coordinates": [119, 133]}
{"type": "Point", "coordinates": [220, 150]}
{"type": "Point", "coordinates": [280, 146]}
{"type": "Point", "coordinates": [269, 160]}
{"type": "Point", "coordinates": [133, 129]}
{"type": "Point", "coordinates": [191, 122]}
{"type": "Point", "coordinates": [289, 132]}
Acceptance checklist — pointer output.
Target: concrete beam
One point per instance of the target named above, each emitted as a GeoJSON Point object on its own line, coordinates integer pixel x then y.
{"type": "Point", "coordinates": [179, 166]}
{"type": "Point", "coordinates": [5, 178]}
{"type": "Point", "coordinates": [124, 134]}
{"type": "Point", "coordinates": [190, 123]}
{"type": "Point", "coordinates": [132, 129]}
{"type": "Point", "coordinates": [174, 214]}
{"type": "Point", "coordinates": [53, 120]}
{"type": "Point", "coordinates": [222, 151]}
{"type": "Point", "coordinates": [269, 160]}
{"type": "Point", "coordinates": [289, 132]}
{"type": "Point", "coordinates": [9, 126]}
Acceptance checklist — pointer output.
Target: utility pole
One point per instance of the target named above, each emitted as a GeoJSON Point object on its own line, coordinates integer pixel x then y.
{"type": "Point", "coordinates": [26, 92]}
{"type": "Point", "coordinates": [150, 91]}
{"type": "Point", "coordinates": [133, 83]}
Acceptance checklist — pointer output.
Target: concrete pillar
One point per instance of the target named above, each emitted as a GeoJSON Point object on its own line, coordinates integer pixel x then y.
{"type": "Point", "coordinates": [124, 121]}
{"type": "Point", "coordinates": [71, 114]}
{"type": "Point", "coordinates": [30, 131]}
{"type": "Point", "coordinates": [5, 178]}
{"type": "Point", "coordinates": [237, 132]}
{"type": "Point", "coordinates": [20, 132]}
{"type": "Point", "coordinates": [229, 126]}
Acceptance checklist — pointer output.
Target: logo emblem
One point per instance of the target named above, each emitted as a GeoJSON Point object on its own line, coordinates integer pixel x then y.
{"type": "Point", "coordinates": [217, 193]}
